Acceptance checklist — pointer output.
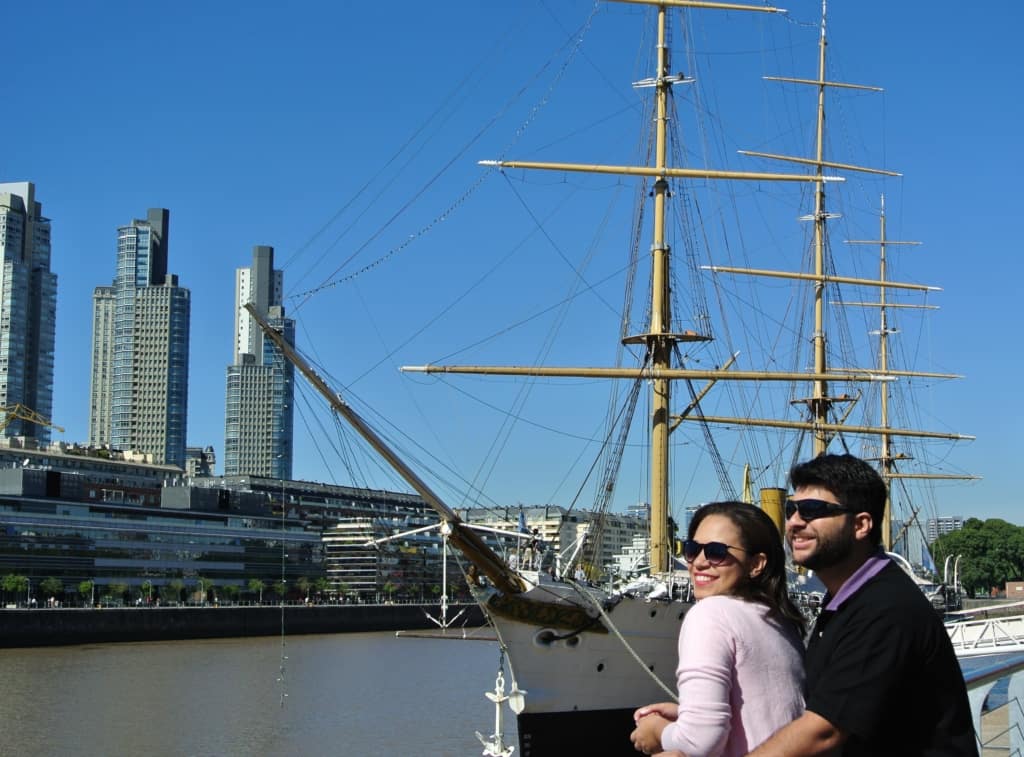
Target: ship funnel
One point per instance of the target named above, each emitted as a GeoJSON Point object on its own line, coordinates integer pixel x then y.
{"type": "Point", "coordinates": [773, 502]}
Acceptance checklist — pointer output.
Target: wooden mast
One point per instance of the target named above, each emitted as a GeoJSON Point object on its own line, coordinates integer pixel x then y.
{"type": "Point", "coordinates": [470, 543]}
{"type": "Point", "coordinates": [887, 458]}
{"type": "Point", "coordinates": [660, 341]}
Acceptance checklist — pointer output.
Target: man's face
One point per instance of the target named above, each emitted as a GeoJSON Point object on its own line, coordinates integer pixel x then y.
{"type": "Point", "coordinates": [822, 542]}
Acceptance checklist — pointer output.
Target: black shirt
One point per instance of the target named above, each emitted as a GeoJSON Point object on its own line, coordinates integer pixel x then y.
{"type": "Point", "coordinates": [881, 667]}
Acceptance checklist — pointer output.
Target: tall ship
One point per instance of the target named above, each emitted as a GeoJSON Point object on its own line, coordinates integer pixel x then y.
{"type": "Point", "coordinates": [749, 337]}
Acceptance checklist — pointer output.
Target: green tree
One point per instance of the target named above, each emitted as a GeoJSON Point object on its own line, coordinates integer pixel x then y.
{"type": "Point", "coordinates": [322, 586]}
{"type": "Point", "coordinates": [147, 590]}
{"type": "Point", "coordinates": [117, 591]}
{"type": "Point", "coordinates": [279, 588]}
{"type": "Point", "coordinates": [85, 589]}
{"type": "Point", "coordinates": [256, 586]}
{"type": "Point", "coordinates": [203, 586]}
{"type": "Point", "coordinates": [231, 592]}
{"type": "Point", "coordinates": [303, 584]}
{"type": "Point", "coordinates": [16, 585]}
{"type": "Point", "coordinates": [991, 553]}
{"type": "Point", "coordinates": [176, 586]}
{"type": "Point", "coordinates": [51, 587]}
{"type": "Point", "coordinates": [389, 589]}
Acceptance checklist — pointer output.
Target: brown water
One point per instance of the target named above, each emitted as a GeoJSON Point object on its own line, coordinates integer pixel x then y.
{"type": "Point", "coordinates": [341, 694]}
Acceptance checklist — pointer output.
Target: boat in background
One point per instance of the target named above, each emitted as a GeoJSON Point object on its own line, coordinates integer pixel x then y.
{"type": "Point", "coordinates": [583, 657]}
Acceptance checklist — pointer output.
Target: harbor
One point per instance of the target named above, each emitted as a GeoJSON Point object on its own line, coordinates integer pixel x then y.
{"type": "Point", "coordinates": [503, 335]}
{"type": "Point", "coordinates": [290, 697]}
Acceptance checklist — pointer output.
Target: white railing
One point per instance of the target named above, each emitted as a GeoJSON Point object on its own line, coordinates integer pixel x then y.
{"type": "Point", "coordinates": [985, 637]}
{"type": "Point", "coordinates": [1001, 730]}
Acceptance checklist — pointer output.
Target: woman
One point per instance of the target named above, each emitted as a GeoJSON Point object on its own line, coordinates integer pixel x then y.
{"type": "Point", "coordinates": [740, 675]}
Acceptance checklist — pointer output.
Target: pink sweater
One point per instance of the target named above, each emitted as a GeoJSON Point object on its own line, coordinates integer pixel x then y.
{"type": "Point", "coordinates": [740, 679]}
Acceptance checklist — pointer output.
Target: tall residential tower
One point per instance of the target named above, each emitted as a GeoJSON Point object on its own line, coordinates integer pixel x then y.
{"type": "Point", "coordinates": [139, 397]}
{"type": "Point", "coordinates": [260, 382]}
{"type": "Point", "coordinates": [28, 309]}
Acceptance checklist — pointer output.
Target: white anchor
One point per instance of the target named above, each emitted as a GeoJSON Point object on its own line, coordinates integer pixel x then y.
{"type": "Point", "coordinates": [495, 746]}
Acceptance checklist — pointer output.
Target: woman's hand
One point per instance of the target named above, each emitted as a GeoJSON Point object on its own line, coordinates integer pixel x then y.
{"type": "Point", "coordinates": [667, 710]}
{"type": "Point", "coordinates": [646, 737]}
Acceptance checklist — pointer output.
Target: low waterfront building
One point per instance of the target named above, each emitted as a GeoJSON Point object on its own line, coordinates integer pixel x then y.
{"type": "Point", "coordinates": [78, 514]}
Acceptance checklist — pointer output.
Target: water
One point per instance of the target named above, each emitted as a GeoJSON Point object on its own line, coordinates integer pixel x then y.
{"type": "Point", "coordinates": [347, 694]}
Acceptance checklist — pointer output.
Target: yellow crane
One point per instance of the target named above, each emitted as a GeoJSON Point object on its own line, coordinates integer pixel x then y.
{"type": "Point", "coordinates": [19, 411]}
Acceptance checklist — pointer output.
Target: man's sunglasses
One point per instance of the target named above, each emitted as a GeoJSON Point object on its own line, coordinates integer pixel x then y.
{"type": "Point", "coordinates": [715, 552]}
{"type": "Point", "coordinates": [812, 509]}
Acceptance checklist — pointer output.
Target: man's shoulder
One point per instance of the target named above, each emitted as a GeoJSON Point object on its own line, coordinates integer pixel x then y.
{"type": "Point", "coordinates": [894, 600]}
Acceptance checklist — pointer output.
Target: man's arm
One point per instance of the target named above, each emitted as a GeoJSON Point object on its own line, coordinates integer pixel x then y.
{"type": "Point", "coordinates": [810, 734]}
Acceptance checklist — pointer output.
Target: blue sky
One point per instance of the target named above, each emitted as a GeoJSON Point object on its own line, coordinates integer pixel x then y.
{"type": "Point", "coordinates": [260, 124]}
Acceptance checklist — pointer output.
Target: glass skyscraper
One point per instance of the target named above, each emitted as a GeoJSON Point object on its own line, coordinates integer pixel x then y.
{"type": "Point", "coordinates": [28, 309]}
{"type": "Point", "coordinates": [260, 382]}
{"type": "Point", "coordinates": [139, 399]}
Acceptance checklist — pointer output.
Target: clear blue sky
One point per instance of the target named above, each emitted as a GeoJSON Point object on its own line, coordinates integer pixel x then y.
{"type": "Point", "coordinates": [258, 122]}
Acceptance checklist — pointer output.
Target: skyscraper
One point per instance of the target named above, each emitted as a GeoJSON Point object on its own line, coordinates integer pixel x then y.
{"type": "Point", "coordinates": [28, 308]}
{"type": "Point", "coordinates": [102, 365]}
{"type": "Point", "coordinates": [260, 382]}
{"type": "Point", "coordinates": [139, 397]}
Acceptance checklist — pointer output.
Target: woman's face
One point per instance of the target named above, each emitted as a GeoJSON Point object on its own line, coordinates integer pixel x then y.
{"type": "Point", "coordinates": [725, 576]}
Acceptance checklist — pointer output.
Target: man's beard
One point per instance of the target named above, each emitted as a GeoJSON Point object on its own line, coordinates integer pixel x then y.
{"type": "Point", "coordinates": [830, 550]}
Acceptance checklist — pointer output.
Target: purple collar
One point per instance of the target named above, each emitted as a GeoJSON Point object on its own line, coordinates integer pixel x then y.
{"type": "Point", "coordinates": [874, 565]}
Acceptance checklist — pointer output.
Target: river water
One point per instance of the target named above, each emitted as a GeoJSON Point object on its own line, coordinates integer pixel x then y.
{"type": "Point", "coordinates": [342, 694]}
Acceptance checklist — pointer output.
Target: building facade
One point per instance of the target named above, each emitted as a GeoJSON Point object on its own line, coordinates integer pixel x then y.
{"type": "Point", "coordinates": [936, 527]}
{"type": "Point", "coordinates": [139, 395]}
{"type": "Point", "coordinates": [28, 309]}
{"type": "Point", "coordinates": [260, 382]}
{"type": "Point", "coordinates": [101, 384]}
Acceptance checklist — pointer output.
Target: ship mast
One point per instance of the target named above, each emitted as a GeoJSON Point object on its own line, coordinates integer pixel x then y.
{"type": "Point", "coordinates": [660, 341]}
{"type": "Point", "coordinates": [888, 458]}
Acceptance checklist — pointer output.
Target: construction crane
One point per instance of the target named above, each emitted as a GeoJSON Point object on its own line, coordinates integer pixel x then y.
{"type": "Point", "coordinates": [18, 411]}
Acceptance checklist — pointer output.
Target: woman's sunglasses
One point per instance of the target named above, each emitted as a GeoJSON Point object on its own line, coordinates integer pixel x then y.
{"type": "Point", "coordinates": [715, 552]}
{"type": "Point", "coordinates": [812, 509]}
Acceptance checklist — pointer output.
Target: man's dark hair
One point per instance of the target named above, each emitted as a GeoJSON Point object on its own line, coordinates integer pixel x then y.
{"type": "Point", "coordinates": [854, 483]}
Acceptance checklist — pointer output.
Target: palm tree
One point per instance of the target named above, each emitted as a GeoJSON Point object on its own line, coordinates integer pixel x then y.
{"type": "Point", "coordinates": [257, 586]}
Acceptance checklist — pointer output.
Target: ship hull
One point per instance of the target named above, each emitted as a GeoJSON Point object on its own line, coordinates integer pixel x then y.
{"type": "Point", "coordinates": [586, 732]}
{"type": "Point", "coordinates": [583, 673]}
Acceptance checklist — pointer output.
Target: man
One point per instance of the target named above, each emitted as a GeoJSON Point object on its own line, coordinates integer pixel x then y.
{"type": "Point", "coordinates": [882, 677]}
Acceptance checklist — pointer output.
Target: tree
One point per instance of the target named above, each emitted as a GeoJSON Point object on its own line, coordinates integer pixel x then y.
{"type": "Point", "coordinates": [303, 584]}
{"type": "Point", "coordinates": [147, 590]}
{"type": "Point", "coordinates": [231, 592]}
{"type": "Point", "coordinates": [85, 589]}
{"type": "Point", "coordinates": [322, 586]}
{"type": "Point", "coordinates": [203, 586]}
{"type": "Point", "coordinates": [256, 586]}
{"type": "Point", "coordinates": [52, 587]}
{"type": "Point", "coordinates": [991, 553]}
{"type": "Point", "coordinates": [176, 586]}
{"type": "Point", "coordinates": [117, 591]}
{"type": "Point", "coordinates": [16, 585]}
{"type": "Point", "coordinates": [279, 588]}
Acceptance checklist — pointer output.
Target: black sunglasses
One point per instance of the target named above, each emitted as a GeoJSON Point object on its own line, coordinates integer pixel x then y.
{"type": "Point", "coordinates": [715, 552]}
{"type": "Point", "coordinates": [812, 509]}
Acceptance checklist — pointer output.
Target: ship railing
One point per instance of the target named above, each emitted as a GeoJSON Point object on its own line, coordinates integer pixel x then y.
{"type": "Point", "coordinates": [1000, 730]}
